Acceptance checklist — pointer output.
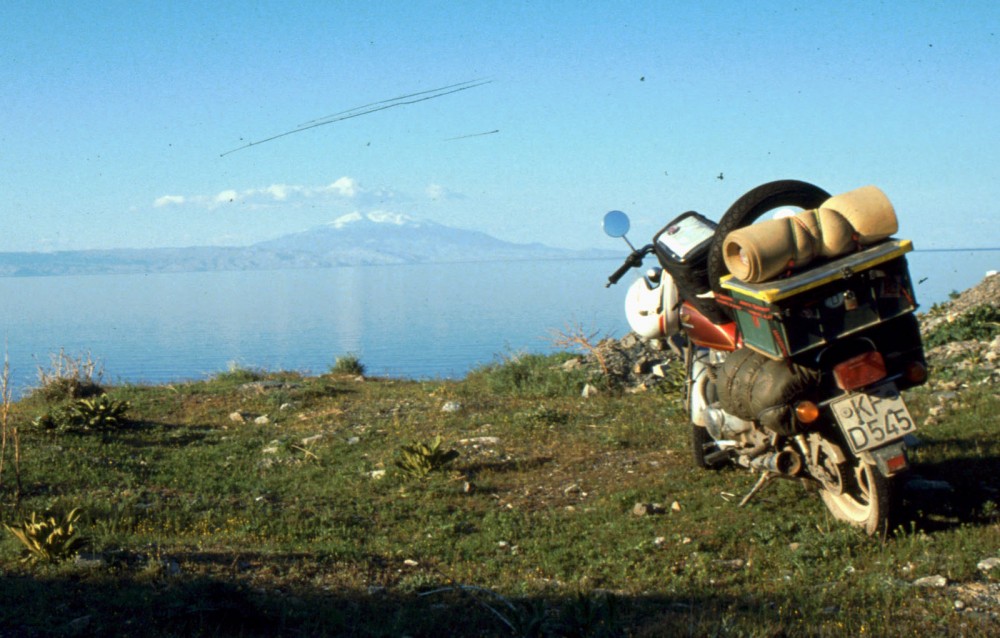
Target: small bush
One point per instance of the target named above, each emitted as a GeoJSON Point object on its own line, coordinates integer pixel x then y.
{"type": "Point", "coordinates": [239, 374]}
{"type": "Point", "coordinates": [531, 375]}
{"type": "Point", "coordinates": [348, 364]}
{"type": "Point", "coordinates": [69, 377]}
{"type": "Point", "coordinates": [101, 413]}
{"type": "Point", "coordinates": [981, 322]}
{"type": "Point", "coordinates": [48, 540]}
{"type": "Point", "coordinates": [420, 459]}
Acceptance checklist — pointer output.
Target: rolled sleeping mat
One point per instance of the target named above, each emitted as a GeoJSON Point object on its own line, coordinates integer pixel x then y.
{"type": "Point", "coordinates": [840, 225]}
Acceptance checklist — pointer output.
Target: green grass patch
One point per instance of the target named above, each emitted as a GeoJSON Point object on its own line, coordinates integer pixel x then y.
{"type": "Point", "coordinates": [203, 518]}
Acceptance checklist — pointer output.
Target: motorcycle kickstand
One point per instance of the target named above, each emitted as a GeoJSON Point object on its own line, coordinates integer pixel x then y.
{"type": "Point", "coordinates": [765, 478]}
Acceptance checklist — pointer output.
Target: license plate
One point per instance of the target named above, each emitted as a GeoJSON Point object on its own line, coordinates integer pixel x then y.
{"type": "Point", "coordinates": [874, 418]}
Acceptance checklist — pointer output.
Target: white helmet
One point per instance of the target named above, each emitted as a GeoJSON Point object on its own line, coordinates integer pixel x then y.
{"type": "Point", "coordinates": [651, 305]}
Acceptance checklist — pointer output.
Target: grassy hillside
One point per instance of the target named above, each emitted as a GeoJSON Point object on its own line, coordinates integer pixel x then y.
{"type": "Point", "coordinates": [262, 504]}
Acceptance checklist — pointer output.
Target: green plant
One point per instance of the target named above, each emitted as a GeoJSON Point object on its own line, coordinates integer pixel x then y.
{"type": "Point", "coordinates": [420, 459]}
{"type": "Point", "coordinates": [531, 375]}
{"type": "Point", "coordinates": [348, 364]}
{"type": "Point", "coordinates": [99, 413]}
{"type": "Point", "coordinates": [69, 377]}
{"type": "Point", "coordinates": [49, 540]}
{"type": "Point", "coordinates": [981, 322]}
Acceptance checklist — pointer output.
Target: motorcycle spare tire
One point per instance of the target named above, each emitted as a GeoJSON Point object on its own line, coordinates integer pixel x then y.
{"type": "Point", "coordinates": [751, 207]}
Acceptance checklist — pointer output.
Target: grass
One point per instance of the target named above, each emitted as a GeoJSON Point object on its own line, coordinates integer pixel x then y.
{"type": "Point", "coordinates": [199, 525]}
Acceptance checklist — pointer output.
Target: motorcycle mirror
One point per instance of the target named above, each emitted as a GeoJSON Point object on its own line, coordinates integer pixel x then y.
{"type": "Point", "coordinates": [616, 223]}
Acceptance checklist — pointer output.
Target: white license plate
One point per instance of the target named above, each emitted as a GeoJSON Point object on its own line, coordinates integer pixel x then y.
{"type": "Point", "coordinates": [874, 418]}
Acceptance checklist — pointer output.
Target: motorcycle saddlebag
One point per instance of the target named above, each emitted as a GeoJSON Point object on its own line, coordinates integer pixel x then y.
{"type": "Point", "coordinates": [785, 317]}
{"type": "Point", "coordinates": [682, 249]}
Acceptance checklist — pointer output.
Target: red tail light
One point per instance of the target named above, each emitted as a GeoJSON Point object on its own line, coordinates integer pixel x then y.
{"type": "Point", "coordinates": [859, 371]}
{"type": "Point", "coordinates": [916, 372]}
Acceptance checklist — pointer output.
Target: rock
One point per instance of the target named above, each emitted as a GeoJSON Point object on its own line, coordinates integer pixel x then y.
{"type": "Point", "coordinates": [735, 564]}
{"type": "Point", "coordinates": [451, 406]}
{"type": "Point", "coordinates": [589, 391]}
{"type": "Point", "coordinates": [285, 407]}
{"type": "Point", "coordinates": [989, 564]}
{"type": "Point", "coordinates": [480, 440]}
{"type": "Point", "coordinates": [409, 562]}
{"type": "Point", "coordinates": [572, 364]}
{"type": "Point", "coordinates": [354, 440]}
{"type": "Point", "coordinates": [309, 440]}
{"type": "Point", "coordinates": [237, 417]}
{"type": "Point", "coordinates": [648, 509]}
{"type": "Point", "coordinates": [959, 605]}
{"type": "Point", "coordinates": [675, 506]}
{"type": "Point", "coordinates": [931, 581]}
{"type": "Point", "coordinates": [262, 420]}
{"type": "Point", "coordinates": [376, 475]}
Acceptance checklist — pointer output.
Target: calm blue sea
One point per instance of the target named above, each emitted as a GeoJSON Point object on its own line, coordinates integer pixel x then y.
{"type": "Point", "coordinates": [414, 321]}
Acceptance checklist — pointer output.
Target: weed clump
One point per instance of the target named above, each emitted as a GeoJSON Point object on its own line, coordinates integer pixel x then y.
{"type": "Point", "coordinates": [69, 377]}
{"type": "Point", "coordinates": [981, 322]}
{"type": "Point", "coordinates": [48, 540]}
{"type": "Point", "coordinates": [531, 375]}
{"type": "Point", "coordinates": [420, 459]}
{"type": "Point", "coordinates": [348, 364]}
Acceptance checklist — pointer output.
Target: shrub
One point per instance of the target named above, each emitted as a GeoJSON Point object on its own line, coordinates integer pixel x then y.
{"type": "Point", "coordinates": [981, 322]}
{"type": "Point", "coordinates": [49, 540]}
{"type": "Point", "coordinates": [69, 377]}
{"type": "Point", "coordinates": [420, 459]}
{"type": "Point", "coordinates": [348, 364]}
{"type": "Point", "coordinates": [100, 413]}
{"type": "Point", "coordinates": [239, 374]}
{"type": "Point", "coordinates": [531, 375]}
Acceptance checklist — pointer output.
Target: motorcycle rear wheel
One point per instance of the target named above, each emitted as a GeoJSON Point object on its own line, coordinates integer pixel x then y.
{"type": "Point", "coordinates": [865, 498]}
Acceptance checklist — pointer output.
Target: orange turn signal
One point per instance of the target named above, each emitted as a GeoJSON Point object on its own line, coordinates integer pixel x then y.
{"type": "Point", "coordinates": [806, 411]}
{"type": "Point", "coordinates": [915, 372]}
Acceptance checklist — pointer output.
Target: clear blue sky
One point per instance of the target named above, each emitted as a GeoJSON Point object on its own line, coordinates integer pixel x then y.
{"type": "Point", "coordinates": [113, 115]}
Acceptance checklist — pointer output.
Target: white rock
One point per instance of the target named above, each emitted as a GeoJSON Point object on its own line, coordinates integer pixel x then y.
{"type": "Point", "coordinates": [237, 417]}
{"type": "Point", "coordinates": [309, 440]}
{"type": "Point", "coordinates": [262, 420]}
{"type": "Point", "coordinates": [989, 564]}
{"type": "Point", "coordinates": [589, 391]}
{"type": "Point", "coordinates": [377, 474]}
{"type": "Point", "coordinates": [451, 406]}
{"type": "Point", "coordinates": [931, 581]}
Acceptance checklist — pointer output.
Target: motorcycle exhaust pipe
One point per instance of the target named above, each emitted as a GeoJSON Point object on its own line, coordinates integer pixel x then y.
{"type": "Point", "coordinates": [786, 462]}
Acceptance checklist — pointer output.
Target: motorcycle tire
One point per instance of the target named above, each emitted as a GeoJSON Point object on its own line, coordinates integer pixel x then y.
{"type": "Point", "coordinates": [751, 207]}
{"type": "Point", "coordinates": [702, 444]}
{"type": "Point", "coordinates": [865, 501]}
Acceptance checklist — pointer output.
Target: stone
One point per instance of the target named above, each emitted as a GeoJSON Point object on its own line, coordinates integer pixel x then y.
{"type": "Point", "coordinates": [309, 440]}
{"type": "Point", "coordinates": [377, 474]}
{"type": "Point", "coordinates": [589, 391]}
{"type": "Point", "coordinates": [931, 581]}
{"type": "Point", "coordinates": [988, 564]}
{"type": "Point", "coordinates": [648, 509]}
{"type": "Point", "coordinates": [237, 417]}
{"type": "Point", "coordinates": [451, 406]}
{"type": "Point", "coordinates": [262, 420]}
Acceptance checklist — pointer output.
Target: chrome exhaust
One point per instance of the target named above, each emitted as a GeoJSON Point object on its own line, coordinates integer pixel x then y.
{"type": "Point", "coordinates": [785, 462]}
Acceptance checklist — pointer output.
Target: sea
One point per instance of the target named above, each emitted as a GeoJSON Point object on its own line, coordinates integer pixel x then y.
{"type": "Point", "coordinates": [415, 321]}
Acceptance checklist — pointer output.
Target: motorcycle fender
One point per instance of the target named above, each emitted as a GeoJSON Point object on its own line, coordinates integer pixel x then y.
{"type": "Point", "coordinates": [890, 460]}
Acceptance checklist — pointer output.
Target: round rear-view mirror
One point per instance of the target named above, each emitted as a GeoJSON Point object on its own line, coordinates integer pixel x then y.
{"type": "Point", "coordinates": [616, 223]}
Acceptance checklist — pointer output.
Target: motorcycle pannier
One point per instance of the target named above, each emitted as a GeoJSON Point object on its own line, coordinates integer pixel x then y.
{"type": "Point", "coordinates": [785, 317]}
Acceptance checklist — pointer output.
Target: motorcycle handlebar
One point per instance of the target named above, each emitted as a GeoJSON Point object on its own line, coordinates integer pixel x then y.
{"type": "Point", "coordinates": [634, 260]}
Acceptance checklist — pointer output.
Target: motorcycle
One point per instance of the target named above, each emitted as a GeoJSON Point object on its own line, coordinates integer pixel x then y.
{"type": "Point", "coordinates": [798, 376]}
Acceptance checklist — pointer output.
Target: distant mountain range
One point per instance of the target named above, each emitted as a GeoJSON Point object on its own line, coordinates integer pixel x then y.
{"type": "Point", "coordinates": [352, 240]}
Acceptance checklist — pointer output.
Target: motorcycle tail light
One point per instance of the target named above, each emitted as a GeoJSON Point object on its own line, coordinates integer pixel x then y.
{"type": "Point", "coordinates": [859, 371]}
{"type": "Point", "coordinates": [806, 411]}
{"type": "Point", "coordinates": [915, 373]}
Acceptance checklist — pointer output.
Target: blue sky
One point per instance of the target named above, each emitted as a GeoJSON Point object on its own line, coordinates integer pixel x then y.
{"type": "Point", "coordinates": [115, 116]}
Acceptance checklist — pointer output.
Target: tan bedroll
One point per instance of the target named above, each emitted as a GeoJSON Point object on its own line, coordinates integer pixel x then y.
{"type": "Point", "coordinates": [840, 225]}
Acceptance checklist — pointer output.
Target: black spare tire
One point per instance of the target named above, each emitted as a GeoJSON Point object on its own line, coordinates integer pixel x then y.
{"type": "Point", "coordinates": [751, 207]}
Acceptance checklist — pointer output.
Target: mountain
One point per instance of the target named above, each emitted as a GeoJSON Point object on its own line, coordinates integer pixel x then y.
{"type": "Point", "coordinates": [352, 240]}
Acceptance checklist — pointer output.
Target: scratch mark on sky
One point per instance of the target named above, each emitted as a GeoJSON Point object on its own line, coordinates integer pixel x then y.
{"type": "Point", "coordinates": [374, 107]}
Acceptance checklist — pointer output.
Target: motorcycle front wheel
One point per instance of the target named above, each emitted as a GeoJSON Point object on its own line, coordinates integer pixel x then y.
{"type": "Point", "coordinates": [864, 500]}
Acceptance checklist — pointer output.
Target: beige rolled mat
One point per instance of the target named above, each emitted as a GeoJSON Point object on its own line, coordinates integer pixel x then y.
{"type": "Point", "coordinates": [840, 225]}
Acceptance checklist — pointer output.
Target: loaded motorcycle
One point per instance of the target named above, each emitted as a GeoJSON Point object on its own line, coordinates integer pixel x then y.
{"type": "Point", "coordinates": [797, 335]}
